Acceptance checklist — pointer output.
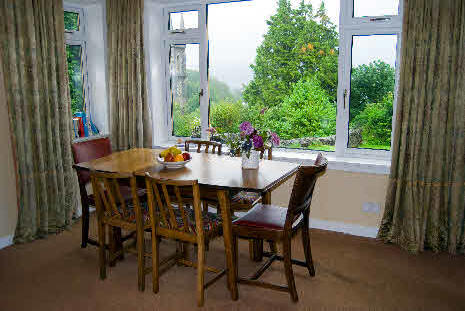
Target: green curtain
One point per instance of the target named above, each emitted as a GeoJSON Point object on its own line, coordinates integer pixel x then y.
{"type": "Point", "coordinates": [32, 50]}
{"type": "Point", "coordinates": [425, 203]}
{"type": "Point", "coordinates": [130, 123]}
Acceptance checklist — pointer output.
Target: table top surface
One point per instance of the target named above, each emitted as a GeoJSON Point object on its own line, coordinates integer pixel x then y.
{"type": "Point", "coordinates": [219, 171]}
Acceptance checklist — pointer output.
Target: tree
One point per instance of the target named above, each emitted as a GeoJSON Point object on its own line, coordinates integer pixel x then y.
{"type": "Point", "coordinates": [307, 111]}
{"type": "Point", "coordinates": [299, 43]}
{"type": "Point", "coordinates": [370, 84]}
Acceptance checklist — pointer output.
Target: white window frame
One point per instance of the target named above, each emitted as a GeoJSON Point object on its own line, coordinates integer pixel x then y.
{"type": "Point", "coordinates": [353, 26]}
{"type": "Point", "coordinates": [348, 27]}
{"type": "Point", "coordinates": [189, 36]}
{"type": "Point", "coordinates": [80, 38]}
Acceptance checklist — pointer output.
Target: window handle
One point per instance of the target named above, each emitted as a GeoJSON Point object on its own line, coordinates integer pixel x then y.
{"type": "Point", "coordinates": [380, 19]}
{"type": "Point", "coordinates": [345, 96]}
{"type": "Point", "coordinates": [201, 93]}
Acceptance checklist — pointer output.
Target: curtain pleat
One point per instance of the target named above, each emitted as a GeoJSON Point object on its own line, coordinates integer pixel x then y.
{"type": "Point", "coordinates": [425, 202]}
{"type": "Point", "coordinates": [36, 83]}
{"type": "Point", "coordinates": [131, 125]}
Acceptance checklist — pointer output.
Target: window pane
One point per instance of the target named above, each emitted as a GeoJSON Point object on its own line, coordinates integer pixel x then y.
{"type": "Point", "coordinates": [184, 20]}
{"type": "Point", "coordinates": [375, 8]}
{"type": "Point", "coordinates": [71, 21]}
{"type": "Point", "coordinates": [74, 57]}
{"type": "Point", "coordinates": [372, 91]}
{"type": "Point", "coordinates": [280, 76]}
{"type": "Point", "coordinates": [185, 88]}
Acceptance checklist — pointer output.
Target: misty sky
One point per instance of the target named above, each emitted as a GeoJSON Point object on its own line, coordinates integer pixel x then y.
{"type": "Point", "coordinates": [236, 30]}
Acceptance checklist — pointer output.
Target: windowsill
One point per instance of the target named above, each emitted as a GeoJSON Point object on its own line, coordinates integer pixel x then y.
{"type": "Point", "coordinates": [347, 164]}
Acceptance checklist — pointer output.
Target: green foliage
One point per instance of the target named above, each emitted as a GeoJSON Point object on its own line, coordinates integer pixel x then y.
{"type": "Point", "coordinates": [185, 124]}
{"type": "Point", "coordinates": [73, 55]}
{"type": "Point", "coordinates": [299, 43]}
{"type": "Point", "coordinates": [226, 116]}
{"type": "Point", "coordinates": [376, 122]}
{"type": "Point", "coordinates": [71, 21]}
{"type": "Point", "coordinates": [306, 112]}
{"type": "Point", "coordinates": [370, 84]}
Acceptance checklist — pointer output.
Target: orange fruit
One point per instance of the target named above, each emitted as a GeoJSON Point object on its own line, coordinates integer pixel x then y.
{"type": "Point", "coordinates": [179, 158]}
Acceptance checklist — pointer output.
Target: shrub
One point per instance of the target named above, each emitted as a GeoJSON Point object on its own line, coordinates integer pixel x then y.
{"type": "Point", "coordinates": [375, 121]}
{"type": "Point", "coordinates": [225, 116]}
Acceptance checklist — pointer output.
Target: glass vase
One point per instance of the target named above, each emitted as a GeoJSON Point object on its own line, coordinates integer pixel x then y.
{"type": "Point", "coordinates": [252, 162]}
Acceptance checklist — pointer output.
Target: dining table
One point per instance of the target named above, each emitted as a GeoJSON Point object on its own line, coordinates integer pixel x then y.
{"type": "Point", "coordinates": [220, 173]}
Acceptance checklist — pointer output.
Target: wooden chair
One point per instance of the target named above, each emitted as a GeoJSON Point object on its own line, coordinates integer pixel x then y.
{"type": "Point", "coordinates": [114, 211]}
{"type": "Point", "coordinates": [216, 146]}
{"type": "Point", "coordinates": [280, 224]}
{"type": "Point", "coordinates": [244, 200]}
{"type": "Point", "coordinates": [182, 223]}
{"type": "Point", "coordinates": [208, 197]}
{"type": "Point", "coordinates": [84, 151]}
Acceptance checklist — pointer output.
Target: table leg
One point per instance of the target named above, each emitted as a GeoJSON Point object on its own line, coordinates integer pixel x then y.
{"type": "Point", "coordinates": [223, 199]}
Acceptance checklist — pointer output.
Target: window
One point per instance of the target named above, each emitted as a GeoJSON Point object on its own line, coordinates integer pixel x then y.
{"type": "Point", "coordinates": [77, 71]}
{"type": "Point", "coordinates": [185, 90]}
{"type": "Point", "coordinates": [184, 20]}
{"type": "Point", "coordinates": [363, 8]}
{"type": "Point", "coordinates": [320, 73]}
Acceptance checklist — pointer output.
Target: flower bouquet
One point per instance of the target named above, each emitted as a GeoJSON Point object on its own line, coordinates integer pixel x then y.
{"type": "Point", "coordinates": [249, 142]}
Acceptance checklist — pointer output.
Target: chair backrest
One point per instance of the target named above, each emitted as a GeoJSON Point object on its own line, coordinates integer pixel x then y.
{"type": "Point", "coordinates": [173, 217]}
{"type": "Point", "coordinates": [216, 146]}
{"type": "Point", "coordinates": [109, 199]}
{"type": "Point", "coordinates": [265, 149]}
{"type": "Point", "coordinates": [302, 191]}
{"type": "Point", "coordinates": [90, 150]}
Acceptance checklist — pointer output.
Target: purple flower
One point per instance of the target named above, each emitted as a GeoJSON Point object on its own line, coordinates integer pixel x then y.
{"type": "Point", "coordinates": [262, 112]}
{"type": "Point", "coordinates": [211, 130]}
{"type": "Point", "coordinates": [247, 128]}
{"type": "Point", "coordinates": [257, 141]}
{"type": "Point", "coordinates": [275, 139]}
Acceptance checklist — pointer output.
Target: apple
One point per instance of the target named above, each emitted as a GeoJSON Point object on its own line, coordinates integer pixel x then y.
{"type": "Point", "coordinates": [169, 158]}
{"type": "Point", "coordinates": [186, 156]}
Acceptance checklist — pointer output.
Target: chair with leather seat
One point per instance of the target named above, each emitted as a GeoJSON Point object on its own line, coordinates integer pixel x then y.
{"type": "Point", "coordinates": [84, 151]}
{"type": "Point", "coordinates": [279, 224]}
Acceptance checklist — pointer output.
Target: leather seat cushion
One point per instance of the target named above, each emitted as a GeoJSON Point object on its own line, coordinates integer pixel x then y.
{"type": "Point", "coordinates": [262, 216]}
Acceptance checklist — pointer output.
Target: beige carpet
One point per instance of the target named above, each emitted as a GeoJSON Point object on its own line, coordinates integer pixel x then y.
{"type": "Point", "coordinates": [351, 274]}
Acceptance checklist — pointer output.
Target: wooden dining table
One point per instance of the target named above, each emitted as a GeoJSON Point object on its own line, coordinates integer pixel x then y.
{"type": "Point", "coordinates": [221, 173]}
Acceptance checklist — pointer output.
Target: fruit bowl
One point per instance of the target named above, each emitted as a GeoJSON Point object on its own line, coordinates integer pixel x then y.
{"type": "Point", "coordinates": [172, 165]}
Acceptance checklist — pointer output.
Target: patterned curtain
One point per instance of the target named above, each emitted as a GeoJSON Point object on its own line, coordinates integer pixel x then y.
{"type": "Point", "coordinates": [131, 123]}
{"type": "Point", "coordinates": [32, 50]}
{"type": "Point", "coordinates": [425, 202]}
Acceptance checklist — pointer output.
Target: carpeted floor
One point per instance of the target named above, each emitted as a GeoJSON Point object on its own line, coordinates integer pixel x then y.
{"type": "Point", "coordinates": [352, 274]}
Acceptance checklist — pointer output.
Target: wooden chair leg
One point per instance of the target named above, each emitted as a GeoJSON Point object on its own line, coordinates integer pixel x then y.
{"type": "Point", "coordinates": [307, 249]}
{"type": "Point", "coordinates": [85, 224]}
{"type": "Point", "coordinates": [256, 249]}
{"type": "Point", "coordinates": [140, 259]}
{"type": "Point", "coordinates": [288, 268]}
{"type": "Point", "coordinates": [113, 248]}
{"type": "Point", "coordinates": [200, 273]}
{"type": "Point", "coordinates": [101, 250]}
{"type": "Point", "coordinates": [273, 247]}
{"type": "Point", "coordinates": [235, 250]}
{"type": "Point", "coordinates": [155, 263]}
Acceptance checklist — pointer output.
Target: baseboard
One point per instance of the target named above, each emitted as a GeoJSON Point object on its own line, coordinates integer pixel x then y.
{"type": "Point", "coordinates": [6, 241]}
{"type": "Point", "coordinates": [353, 229]}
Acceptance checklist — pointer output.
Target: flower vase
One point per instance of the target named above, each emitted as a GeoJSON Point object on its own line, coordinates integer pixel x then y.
{"type": "Point", "coordinates": [252, 162]}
